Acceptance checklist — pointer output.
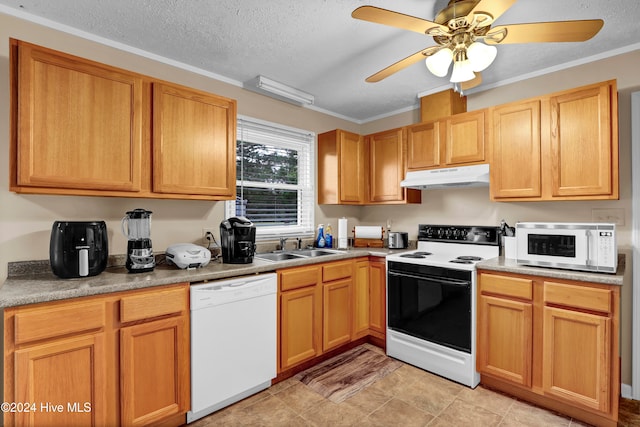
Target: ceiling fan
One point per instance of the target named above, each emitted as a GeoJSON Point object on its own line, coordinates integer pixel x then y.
{"type": "Point", "coordinates": [458, 30]}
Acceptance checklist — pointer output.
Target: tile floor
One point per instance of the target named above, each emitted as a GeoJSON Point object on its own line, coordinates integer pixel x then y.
{"type": "Point", "coordinates": [406, 397]}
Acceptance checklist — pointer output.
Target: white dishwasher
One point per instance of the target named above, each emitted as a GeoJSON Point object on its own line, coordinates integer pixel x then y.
{"type": "Point", "coordinates": [233, 341]}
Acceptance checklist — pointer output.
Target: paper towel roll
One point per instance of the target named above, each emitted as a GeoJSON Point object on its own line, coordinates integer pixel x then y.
{"type": "Point", "coordinates": [368, 232]}
{"type": "Point", "coordinates": [343, 240]}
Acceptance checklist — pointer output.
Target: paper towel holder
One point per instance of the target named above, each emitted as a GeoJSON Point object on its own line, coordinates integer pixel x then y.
{"type": "Point", "coordinates": [368, 243]}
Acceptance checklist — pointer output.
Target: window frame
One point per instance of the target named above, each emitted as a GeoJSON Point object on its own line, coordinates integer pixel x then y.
{"type": "Point", "coordinates": [303, 141]}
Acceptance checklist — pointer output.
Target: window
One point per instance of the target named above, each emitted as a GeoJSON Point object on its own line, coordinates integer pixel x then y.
{"type": "Point", "coordinates": [274, 189]}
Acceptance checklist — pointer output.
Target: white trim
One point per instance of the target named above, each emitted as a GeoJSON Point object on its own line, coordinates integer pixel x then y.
{"type": "Point", "coordinates": [635, 243]}
{"type": "Point", "coordinates": [626, 391]}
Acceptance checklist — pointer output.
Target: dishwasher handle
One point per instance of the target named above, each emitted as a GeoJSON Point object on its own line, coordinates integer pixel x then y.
{"type": "Point", "coordinates": [227, 291]}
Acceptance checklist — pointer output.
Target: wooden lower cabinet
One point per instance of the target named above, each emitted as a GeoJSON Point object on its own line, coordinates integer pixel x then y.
{"type": "Point", "coordinates": [300, 322]}
{"type": "Point", "coordinates": [81, 365]}
{"type": "Point", "coordinates": [336, 313]}
{"type": "Point", "coordinates": [153, 371]}
{"type": "Point", "coordinates": [377, 297]}
{"type": "Point", "coordinates": [552, 342]}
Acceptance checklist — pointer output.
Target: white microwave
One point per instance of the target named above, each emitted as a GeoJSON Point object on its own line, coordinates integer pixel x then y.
{"type": "Point", "coordinates": [572, 246]}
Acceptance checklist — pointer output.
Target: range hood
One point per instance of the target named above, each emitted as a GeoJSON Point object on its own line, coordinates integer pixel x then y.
{"type": "Point", "coordinates": [463, 176]}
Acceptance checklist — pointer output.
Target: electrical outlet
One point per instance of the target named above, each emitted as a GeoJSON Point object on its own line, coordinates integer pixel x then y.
{"type": "Point", "coordinates": [207, 236]}
{"type": "Point", "coordinates": [614, 215]}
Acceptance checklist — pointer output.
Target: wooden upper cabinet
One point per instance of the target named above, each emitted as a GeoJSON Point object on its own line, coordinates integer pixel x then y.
{"type": "Point", "coordinates": [423, 146]}
{"type": "Point", "coordinates": [562, 146]}
{"type": "Point", "coordinates": [80, 127]}
{"type": "Point", "coordinates": [194, 144]}
{"type": "Point", "coordinates": [584, 142]}
{"type": "Point", "coordinates": [77, 123]}
{"type": "Point", "coordinates": [341, 168]}
{"type": "Point", "coordinates": [515, 165]}
{"type": "Point", "coordinates": [387, 167]}
{"type": "Point", "coordinates": [464, 138]}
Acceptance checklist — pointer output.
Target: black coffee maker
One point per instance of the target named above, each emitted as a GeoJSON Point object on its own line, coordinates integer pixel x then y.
{"type": "Point", "coordinates": [238, 240]}
{"type": "Point", "coordinates": [78, 248]}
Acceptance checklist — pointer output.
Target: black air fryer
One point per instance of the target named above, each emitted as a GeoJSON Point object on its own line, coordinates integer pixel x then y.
{"type": "Point", "coordinates": [238, 240]}
{"type": "Point", "coordinates": [78, 248]}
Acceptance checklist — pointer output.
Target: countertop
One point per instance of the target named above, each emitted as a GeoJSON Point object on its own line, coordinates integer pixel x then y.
{"type": "Point", "coordinates": [508, 265]}
{"type": "Point", "coordinates": [32, 288]}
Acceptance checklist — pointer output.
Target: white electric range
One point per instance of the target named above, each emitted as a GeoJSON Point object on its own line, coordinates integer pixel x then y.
{"type": "Point", "coordinates": [431, 299]}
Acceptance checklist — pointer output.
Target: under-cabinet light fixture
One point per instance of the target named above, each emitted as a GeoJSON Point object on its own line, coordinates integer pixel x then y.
{"type": "Point", "coordinates": [279, 90]}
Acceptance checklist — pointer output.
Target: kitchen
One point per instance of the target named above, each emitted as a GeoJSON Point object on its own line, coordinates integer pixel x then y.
{"type": "Point", "coordinates": [26, 219]}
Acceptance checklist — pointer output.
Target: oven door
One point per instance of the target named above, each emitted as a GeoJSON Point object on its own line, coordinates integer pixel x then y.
{"type": "Point", "coordinates": [430, 303]}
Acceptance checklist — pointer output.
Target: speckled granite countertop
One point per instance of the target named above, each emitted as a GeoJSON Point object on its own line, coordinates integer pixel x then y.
{"type": "Point", "coordinates": [32, 288]}
{"type": "Point", "coordinates": [507, 265]}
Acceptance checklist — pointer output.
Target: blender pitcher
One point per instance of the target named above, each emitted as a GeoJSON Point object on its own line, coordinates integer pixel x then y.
{"type": "Point", "coordinates": [136, 226]}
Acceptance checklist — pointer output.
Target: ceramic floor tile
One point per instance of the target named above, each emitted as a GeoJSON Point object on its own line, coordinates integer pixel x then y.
{"type": "Point", "coordinates": [462, 413]}
{"type": "Point", "coordinates": [398, 413]}
{"type": "Point", "coordinates": [407, 397]}
{"type": "Point", "coordinates": [521, 414]}
{"type": "Point", "coordinates": [329, 414]}
{"type": "Point", "coordinates": [495, 402]}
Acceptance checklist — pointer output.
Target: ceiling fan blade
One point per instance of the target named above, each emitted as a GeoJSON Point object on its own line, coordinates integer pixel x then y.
{"type": "Point", "coordinates": [495, 8]}
{"type": "Point", "coordinates": [403, 63]}
{"type": "Point", "coordinates": [472, 83]}
{"type": "Point", "coordinates": [544, 32]}
{"type": "Point", "coordinates": [395, 19]}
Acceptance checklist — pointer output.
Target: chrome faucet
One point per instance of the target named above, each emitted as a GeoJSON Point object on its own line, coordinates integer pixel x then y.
{"type": "Point", "coordinates": [283, 241]}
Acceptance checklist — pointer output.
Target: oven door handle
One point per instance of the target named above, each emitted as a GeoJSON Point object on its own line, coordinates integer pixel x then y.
{"type": "Point", "coordinates": [447, 281]}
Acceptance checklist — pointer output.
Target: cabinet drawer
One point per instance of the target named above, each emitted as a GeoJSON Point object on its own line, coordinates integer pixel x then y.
{"type": "Point", "coordinates": [337, 270]}
{"type": "Point", "coordinates": [298, 277]}
{"type": "Point", "coordinates": [578, 296]}
{"type": "Point", "coordinates": [150, 304]}
{"type": "Point", "coordinates": [48, 322]}
{"type": "Point", "coordinates": [508, 286]}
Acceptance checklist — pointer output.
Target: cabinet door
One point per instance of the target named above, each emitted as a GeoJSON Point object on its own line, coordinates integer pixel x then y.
{"type": "Point", "coordinates": [584, 148]}
{"type": "Point", "coordinates": [300, 325]}
{"type": "Point", "coordinates": [377, 297]}
{"type": "Point", "coordinates": [465, 138]}
{"type": "Point", "coordinates": [577, 357]}
{"type": "Point", "coordinates": [505, 339]}
{"type": "Point", "coordinates": [65, 380]}
{"type": "Point", "coordinates": [361, 299]}
{"type": "Point", "coordinates": [515, 162]}
{"type": "Point", "coordinates": [336, 318]}
{"type": "Point", "coordinates": [79, 123]}
{"type": "Point", "coordinates": [386, 166]}
{"type": "Point", "coordinates": [352, 171]}
{"type": "Point", "coordinates": [194, 142]}
{"type": "Point", "coordinates": [423, 146]}
{"type": "Point", "coordinates": [154, 371]}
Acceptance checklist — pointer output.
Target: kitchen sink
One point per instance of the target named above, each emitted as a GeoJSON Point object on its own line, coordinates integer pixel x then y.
{"type": "Point", "coordinates": [312, 252]}
{"type": "Point", "coordinates": [278, 256]}
{"type": "Point", "coordinates": [295, 254]}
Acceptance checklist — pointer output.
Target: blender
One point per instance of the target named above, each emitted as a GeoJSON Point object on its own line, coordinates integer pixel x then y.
{"type": "Point", "coordinates": [136, 226]}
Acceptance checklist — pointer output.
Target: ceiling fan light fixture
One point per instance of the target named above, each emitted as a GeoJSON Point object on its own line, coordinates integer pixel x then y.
{"type": "Point", "coordinates": [438, 63]}
{"type": "Point", "coordinates": [462, 72]}
{"type": "Point", "coordinates": [481, 55]}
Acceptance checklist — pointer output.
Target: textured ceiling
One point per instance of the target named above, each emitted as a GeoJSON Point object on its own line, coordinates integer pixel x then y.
{"type": "Point", "coordinates": [315, 45]}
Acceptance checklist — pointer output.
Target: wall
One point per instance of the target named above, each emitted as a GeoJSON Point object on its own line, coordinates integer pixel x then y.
{"type": "Point", "coordinates": [25, 220]}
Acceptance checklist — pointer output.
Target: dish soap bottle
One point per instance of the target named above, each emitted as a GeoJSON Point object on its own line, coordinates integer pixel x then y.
{"type": "Point", "coordinates": [320, 242]}
{"type": "Point", "coordinates": [328, 237]}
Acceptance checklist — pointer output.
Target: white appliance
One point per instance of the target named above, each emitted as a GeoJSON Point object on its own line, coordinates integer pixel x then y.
{"type": "Point", "coordinates": [233, 341]}
{"type": "Point", "coordinates": [187, 255]}
{"type": "Point", "coordinates": [572, 246]}
{"type": "Point", "coordinates": [431, 299]}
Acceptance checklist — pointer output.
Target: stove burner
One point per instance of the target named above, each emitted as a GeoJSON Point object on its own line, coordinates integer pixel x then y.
{"type": "Point", "coordinates": [417, 254]}
{"type": "Point", "coordinates": [461, 261]}
{"type": "Point", "coordinates": [469, 258]}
